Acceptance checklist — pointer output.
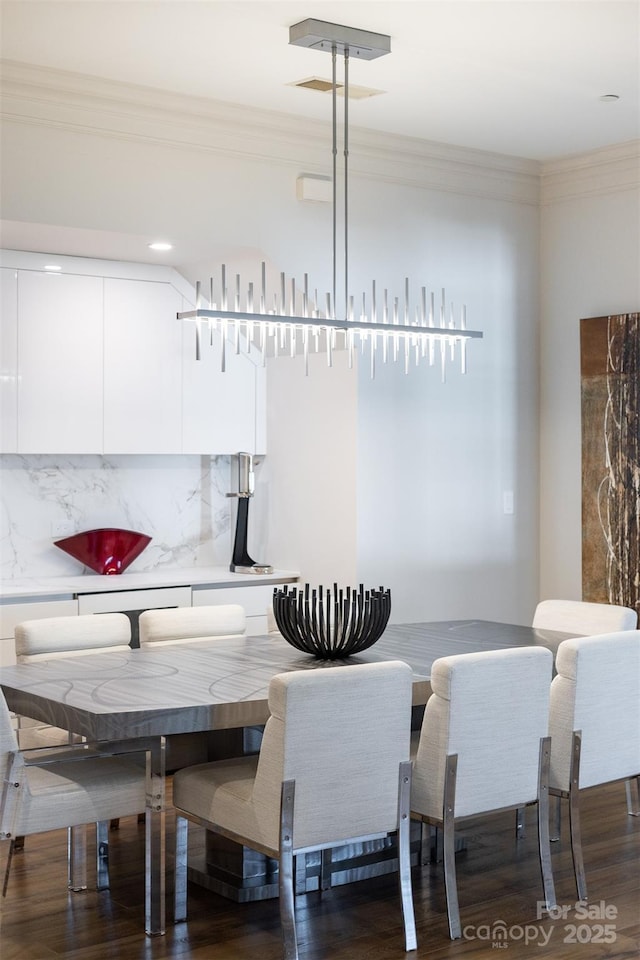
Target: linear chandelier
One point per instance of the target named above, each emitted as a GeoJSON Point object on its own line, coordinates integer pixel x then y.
{"type": "Point", "coordinates": [405, 331]}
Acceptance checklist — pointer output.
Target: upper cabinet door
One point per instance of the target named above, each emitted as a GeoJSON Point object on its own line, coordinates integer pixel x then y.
{"type": "Point", "coordinates": [59, 363]}
{"type": "Point", "coordinates": [8, 360]}
{"type": "Point", "coordinates": [142, 372]}
{"type": "Point", "coordinates": [219, 415]}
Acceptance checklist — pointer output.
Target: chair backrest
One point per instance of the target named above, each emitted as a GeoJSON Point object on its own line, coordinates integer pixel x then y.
{"type": "Point", "coordinates": [341, 734]}
{"type": "Point", "coordinates": [72, 636]}
{"type": "Point", "coordinates": [582, 618]}
{"type": "Point", "coordinates": [180, 624]}
{"type": "Point", "coordinates": [596, 691]}
{"type": "Point", "coordinates": [491, 709]}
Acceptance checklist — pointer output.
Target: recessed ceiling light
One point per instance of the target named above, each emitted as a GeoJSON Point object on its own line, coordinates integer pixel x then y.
{"type": "Point", "coordinates": [160, 246]}
{"type": "Point", "coordinates": [52, 267]}
{"type": "Point", "coordinates": [609, 97]}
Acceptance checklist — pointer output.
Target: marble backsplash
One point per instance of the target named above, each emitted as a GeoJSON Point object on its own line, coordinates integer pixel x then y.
{"type": "Point", "coordinates": [179, 501]}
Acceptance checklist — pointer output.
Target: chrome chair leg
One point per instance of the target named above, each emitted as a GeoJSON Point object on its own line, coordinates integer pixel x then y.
{"type": "Point", "coordinates": [102, 855]}
{"type": "Point", "coordinates": [448, 839]}
{"type": "Point", "coordinates": [180, 870]}
{"type": "Point", "coordinates": [574, 819]}
{"type": "Point", "coordinates": [520, 827]}
{"type": "Point", "coordinates": [430, 844]}
{"type": "Point", "coordinates": [633, 804]}
{"type": "Point", "coordinates": [77, 858]}
{"type": "Point", "coordinates": [544, 845]}
{"type": "Point", "coordinates": [12, 849]}
{"type": "Point", "coordinates": [404, 856]}
{"type": "Point", "coordinates": [287, 897]}
{"type": "Point", "coordinates": [557, 819]}
{"type": "Point", "coordinates": [325, 869]}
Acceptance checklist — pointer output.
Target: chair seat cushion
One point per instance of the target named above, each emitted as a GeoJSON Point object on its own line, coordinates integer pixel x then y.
{"type": "Point", "coordinates": [76, 792]}
{"type": "Point", "coordinates": [220, 793]}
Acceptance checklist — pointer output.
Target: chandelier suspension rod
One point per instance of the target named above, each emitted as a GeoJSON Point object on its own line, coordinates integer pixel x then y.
{"type": "Point", "coordinates": [345, 148]}
{"type": "Point", "coordinates": [334, 125]}
{"type": "Point", "coordinates": [346, 182]}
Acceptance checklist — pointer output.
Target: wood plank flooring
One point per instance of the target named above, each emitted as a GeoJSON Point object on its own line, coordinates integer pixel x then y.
{"type": "Point", "coordinates": [498, 884]}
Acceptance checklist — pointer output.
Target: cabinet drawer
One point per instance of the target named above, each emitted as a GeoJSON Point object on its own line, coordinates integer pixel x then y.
{"type": "Point", "coordinates": [255, 600]}
{"type": "Point", "coordinates": [13, 613]}
{"type": "Point", "coordinates": [123, 600]}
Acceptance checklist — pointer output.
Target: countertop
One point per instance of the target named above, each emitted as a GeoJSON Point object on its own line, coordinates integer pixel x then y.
{"type": "Point", "coordinates": [71, 586]}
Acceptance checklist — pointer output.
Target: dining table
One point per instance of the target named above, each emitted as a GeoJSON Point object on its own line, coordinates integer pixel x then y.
{"type": "Point", "coordinates": [139, 697]}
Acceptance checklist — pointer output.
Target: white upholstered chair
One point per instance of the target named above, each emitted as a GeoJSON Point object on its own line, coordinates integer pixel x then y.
{"type": "Point", "coordinates": [333, 768]}
{"type": "Point", "coordinates": [178, 625]}
{"type": "Point", "coordinates": [64, 788]}
{"type": "Point", "coordinates": [484, 747]}
{"type": "Point", "coordinates": [55, 637]}
{"type": "Point", "coordinates": [594, 722]}
{"type": "Point", "coordinates": [586, 619]}
{"type": "Point", "coordinates": [72, 636]}
{"type": "Point", "coordinates": [187, 624]}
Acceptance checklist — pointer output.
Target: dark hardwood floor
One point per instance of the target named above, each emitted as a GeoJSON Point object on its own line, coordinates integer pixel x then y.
{"type": "Point", "coordinates": [498, 884]}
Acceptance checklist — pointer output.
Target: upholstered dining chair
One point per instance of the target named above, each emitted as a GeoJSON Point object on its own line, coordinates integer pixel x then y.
{"type": "Point", "coordinates": [589, 619]}
{"type": "Point", "coordinates": [71, 636]}
{"type": "Point", "coordinates": [54, 637]}
{"type": "Point", "coordinates": [333, 769]}
{"type": "Point", "coordinates": [188, 624]}
{"type": "Point", "coordinates": [178, 625]}
{"type": "Point", "coordinates": [594, 722]}
{"type": "Point", "coordinates": [51, 789]}
{"type": "Point", "coordinates": [484, 747]}
{"type": "Point", "coordinates": [583, 617]}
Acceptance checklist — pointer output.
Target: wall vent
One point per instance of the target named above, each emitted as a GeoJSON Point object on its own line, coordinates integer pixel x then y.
{"type": "Point", "coordinates": [326, 86]}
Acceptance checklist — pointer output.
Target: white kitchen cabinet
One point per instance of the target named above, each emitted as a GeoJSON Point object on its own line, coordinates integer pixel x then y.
{"type": "Point", "coordinates": [95, 361]}
{"type": "Point", "coordinates": [219, 412]}
{"type": "Point", "coordinates": [143, 375]}
{"type": "Point", "coordinates": [59, 363]}
{"type": "Point", "coordinates": [255, 600]}
{"type": "Point", "coordinates": [8, 360]}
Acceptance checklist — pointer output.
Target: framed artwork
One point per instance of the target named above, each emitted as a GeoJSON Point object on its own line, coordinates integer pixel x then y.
{"type": "Point", "coordinates": [610, 397]}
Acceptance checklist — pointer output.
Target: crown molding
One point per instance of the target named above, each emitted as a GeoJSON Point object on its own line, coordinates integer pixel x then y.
{"type": "Point", "coordinates": [107, 108]}
{"type": "Point", "coordinates": [607, 170]}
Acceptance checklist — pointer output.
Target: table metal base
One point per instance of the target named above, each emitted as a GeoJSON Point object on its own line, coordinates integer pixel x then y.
{"type": "Point", "coordinates": [243, 875]}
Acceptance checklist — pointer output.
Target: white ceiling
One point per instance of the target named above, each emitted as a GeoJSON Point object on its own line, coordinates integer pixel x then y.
{"type": "Point", "coordinates": [519, 78]}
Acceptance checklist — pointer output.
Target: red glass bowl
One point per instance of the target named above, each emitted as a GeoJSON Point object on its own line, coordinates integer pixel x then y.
{"type": "Point", "coordinates": [107, 550]}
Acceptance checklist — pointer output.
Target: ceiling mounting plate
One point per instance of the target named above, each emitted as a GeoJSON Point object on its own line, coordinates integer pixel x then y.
{"type": "Point", "coordinates": [319, 35]}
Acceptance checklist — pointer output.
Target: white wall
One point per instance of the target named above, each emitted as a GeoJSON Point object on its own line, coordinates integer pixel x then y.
{"type": "Point", "coordinates": [436, 459]}
{"type": "Point", "coordinates": [311, 468]}
{"type": "Point", "coordinates": [590, 267]}
{"type": "Point", "coordinates": [399, 481]}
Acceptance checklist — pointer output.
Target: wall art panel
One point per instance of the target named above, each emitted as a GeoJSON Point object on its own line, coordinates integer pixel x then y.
{"type": "Point", "coordinates": [610, 394]}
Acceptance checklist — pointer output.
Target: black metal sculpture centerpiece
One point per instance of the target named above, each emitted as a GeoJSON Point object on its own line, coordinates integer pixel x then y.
{"type": "Point", "coordinates": [331, 625]}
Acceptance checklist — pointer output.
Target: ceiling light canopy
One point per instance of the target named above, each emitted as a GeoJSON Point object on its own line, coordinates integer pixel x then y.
{"type": "Point", "coordinates": [292, 319]}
